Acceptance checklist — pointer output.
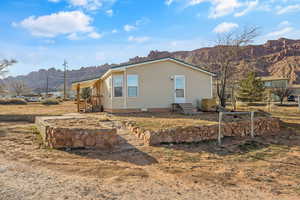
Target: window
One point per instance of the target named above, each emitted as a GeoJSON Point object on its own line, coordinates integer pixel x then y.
{"type": "Point", "coordinates": [268, 84]}
{"type": "Point", "coordinates": [132, 84]}
{"type": "Point", "coordinates": [118, 85]}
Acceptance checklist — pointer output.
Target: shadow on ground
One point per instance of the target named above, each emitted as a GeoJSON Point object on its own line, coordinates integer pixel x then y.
{"type": "Point", "coordinates": [289, 136]}
{"type": "Point", "coordinates": [124, 152]}
{"type": "Point", "coordinates": [2, 133]}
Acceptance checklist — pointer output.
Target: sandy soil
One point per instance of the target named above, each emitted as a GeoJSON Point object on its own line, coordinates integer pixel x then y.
{"type": "Point", "coordinates": [87, 123]}
{"type": "Point", "coordinates": [267, 168]}
{"type": "Point", "coordinates": [39, 109]}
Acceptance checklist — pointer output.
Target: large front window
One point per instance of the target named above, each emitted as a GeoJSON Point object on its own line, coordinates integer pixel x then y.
{"type": "Point", "coordinates": [133, 84]}
{"type": "Point", "coordinates": [118, 85]}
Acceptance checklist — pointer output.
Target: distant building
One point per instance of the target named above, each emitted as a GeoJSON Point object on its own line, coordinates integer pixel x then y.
{"type": "Point", "coordinates": [295, 89]}
{"type": "Point", "coordinates": [59, 94]}
{"type": "Point", "coordinates": [274, 82]}
{"type": "Point", "coordinates": [271, 82]}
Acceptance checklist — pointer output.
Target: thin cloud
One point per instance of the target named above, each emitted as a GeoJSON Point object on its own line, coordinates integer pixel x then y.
{"type": "Point", "coordinates": [90, 5]}
{"type": "Point", "coordinates": [95, 35]}
{"type": "Point", "coordinates": [249, 7]}
{"type": "Point", "coordinates": [288, 9]}
{"type": "Point", "coordinates": [110, 12]}
{"type": "Point", "coordinates": [225, 27]}
{"type": "Point", "coordinates": [281, 33]}
{"type": "Point", "coordinates": [129, 28]}
{"type": "Point", "coordinates": [220, 8]}
{"type": "Point", "coordinates": [140, 22]}
{"type": "Point", "coordinates": [138, 39]}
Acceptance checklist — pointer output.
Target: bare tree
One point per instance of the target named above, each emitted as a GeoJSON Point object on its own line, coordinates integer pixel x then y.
{"type": "Point", "coordinates": [4, 64]}
{"type": "Point", "coordinates": [230, 47]}
{"type": "Point", "coordinates": [2, 87]}
{"type": "Point", "coordinates": [282, 92]}
{"type": "Point", "coordinates": [18, 87]}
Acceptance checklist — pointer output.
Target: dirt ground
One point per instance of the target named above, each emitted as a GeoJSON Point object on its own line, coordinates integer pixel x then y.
{"type": "Point", "coordinates": [263, 168]}
{"type": "Point", "coordinates": [154, 121]}
{"type": "Point", "coordinates": [39, 109]}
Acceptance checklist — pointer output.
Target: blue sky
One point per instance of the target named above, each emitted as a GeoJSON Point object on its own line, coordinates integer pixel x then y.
{"type": "Point", "coordinates": [42, 33]}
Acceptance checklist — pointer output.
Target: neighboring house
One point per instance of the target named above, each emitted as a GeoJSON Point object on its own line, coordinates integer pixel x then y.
{"type": "Point", "coordinates": [274, 82]}
{"type": "Point", "coordinates": [295, 89]}
{"type": "Point", "coordinates": [271, 82]}
{"type": "Point", "coordinates": [59, 94]}
{"type": "Point", "coordinates": [149, 86]}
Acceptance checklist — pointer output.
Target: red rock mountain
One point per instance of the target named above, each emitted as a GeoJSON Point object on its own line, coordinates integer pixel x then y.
{"type": "Point", "coordinates": [278, 58]}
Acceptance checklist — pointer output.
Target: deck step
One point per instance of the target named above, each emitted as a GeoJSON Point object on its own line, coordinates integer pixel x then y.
{"type": "Point", "coordinates": [186, 108]}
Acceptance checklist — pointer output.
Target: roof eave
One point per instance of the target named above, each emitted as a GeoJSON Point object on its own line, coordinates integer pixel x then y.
{"type": "Point", "coordinates": [158, 60]}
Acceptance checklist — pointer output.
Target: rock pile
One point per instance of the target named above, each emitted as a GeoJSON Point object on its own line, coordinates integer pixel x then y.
{"type": "Point", "coordinates": [55, 136]}
{"type": "Point", "coordinates": [75, 138]}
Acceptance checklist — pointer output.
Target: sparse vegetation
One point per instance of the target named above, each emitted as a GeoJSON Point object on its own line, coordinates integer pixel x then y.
{"type": "Point", "coordinates": [4, 64]}
{"type": "Point", "coordinates": [18, 87]}
{"type": "Point", "coordinates": [13, 101]}
{"type": "Point", "coordinates": [251, 89]}
{"type": "Point", "coordinates": [49, 102]}
{"type": "Point", "coordinates": [229, 49]}
{"type": "Point", "coordinates": [86, 93]}
{"type": "Point", "coordinates": [282, 93]}
{"type": "Point", "coordinates": [38, 109]}
{"type": "Point", "coordinates": [155, 121]}
{"type": "Point", "coordinates": [267, 165]}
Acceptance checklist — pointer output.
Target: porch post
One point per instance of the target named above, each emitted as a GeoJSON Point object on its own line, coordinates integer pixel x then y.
{"type": "Point", "coordinates": [78, 97]}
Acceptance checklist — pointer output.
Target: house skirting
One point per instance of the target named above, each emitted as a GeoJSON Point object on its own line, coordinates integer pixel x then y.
{"type": "Point", "coordinates": [136, 110]}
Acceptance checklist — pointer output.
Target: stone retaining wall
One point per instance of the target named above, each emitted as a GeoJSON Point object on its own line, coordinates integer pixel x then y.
{"type": "Point", "coordinates": [58, 137]}
{"type": "Point", "coordinates": [262, 126]}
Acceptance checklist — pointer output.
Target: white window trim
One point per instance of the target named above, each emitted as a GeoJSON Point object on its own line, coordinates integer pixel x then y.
{"type": "Point", "coordinates": [113, 85]}
{"type": "Point", "coordinates": [138, 85]}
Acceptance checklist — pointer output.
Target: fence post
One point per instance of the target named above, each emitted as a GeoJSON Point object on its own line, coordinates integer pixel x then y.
{"type": "Point", "coordinates": [252, 124]}
{"type": "Point", "coordinates": [220, 127]}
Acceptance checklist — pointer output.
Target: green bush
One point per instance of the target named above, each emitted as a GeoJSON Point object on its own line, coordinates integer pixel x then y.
{"type": "Point", "coordinates": [13, 101]}
{"type": "Point", "coordinates": [50, 102]}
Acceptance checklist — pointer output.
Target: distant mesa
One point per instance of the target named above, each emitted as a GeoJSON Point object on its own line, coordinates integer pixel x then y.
{"type": "Point", "coordinates": [279, 58]}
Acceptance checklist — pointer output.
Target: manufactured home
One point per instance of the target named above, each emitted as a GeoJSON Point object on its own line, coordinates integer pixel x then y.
{"type": "Point", "coordinates": [148, 86]}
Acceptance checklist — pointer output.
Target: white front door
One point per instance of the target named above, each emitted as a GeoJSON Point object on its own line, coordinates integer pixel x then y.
{"type": "Point", "coordinates": [179, 85]}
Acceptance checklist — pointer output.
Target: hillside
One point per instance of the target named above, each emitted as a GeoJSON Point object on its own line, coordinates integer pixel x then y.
{"type": "Point", "coordinates": [280, 58]}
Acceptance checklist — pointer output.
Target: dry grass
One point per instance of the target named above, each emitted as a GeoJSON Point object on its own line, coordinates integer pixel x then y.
{"type": "Point", "coordinates": [155, 121]}
{"type": "Point", "coordinates": [38, 109]}
{"type": "Point", "coordinates": [264, 168]}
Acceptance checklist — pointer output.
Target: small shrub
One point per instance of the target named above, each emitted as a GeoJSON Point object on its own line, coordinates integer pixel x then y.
{"type": "Point", "coordinates": [14, 101]}
{"type": "Point", "coordinates": [50, 102]}
{"type": "Point", "coordinates": [287, 105]}
{"type": "Point", "coordinates": [256, 104]}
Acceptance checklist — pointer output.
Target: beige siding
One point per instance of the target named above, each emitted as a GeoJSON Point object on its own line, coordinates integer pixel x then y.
{"type": "Point", "coordinates": [156, 89]}
{"type": "Point", "coordinates": [106, 94]}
